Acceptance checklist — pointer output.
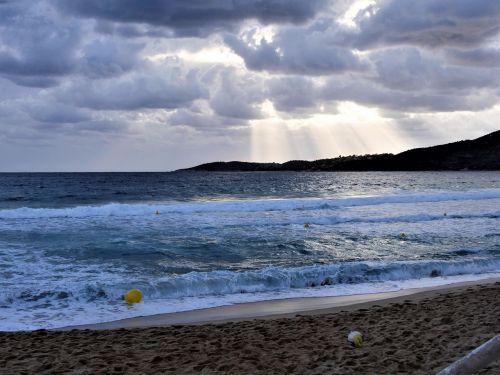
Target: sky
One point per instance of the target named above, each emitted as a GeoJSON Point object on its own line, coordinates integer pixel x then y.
{"type": "Point", "coordinates": [132, 85]}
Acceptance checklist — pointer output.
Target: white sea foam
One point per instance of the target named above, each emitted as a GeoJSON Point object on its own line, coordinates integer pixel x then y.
{"type": "Point", "coordinates": [52, 282]}
{"type": "Point", "coordinates": [125, 209]}
{"type": "Point", "coordinates": [82, 312]}
{"type": "Point", "coordinates": [225, 282]}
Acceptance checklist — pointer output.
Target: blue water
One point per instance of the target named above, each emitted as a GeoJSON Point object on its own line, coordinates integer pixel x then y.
{"type": "Point", "coordinates": [72, 243]}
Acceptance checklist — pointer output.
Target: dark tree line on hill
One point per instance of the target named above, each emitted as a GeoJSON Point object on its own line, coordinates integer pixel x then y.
{"type": "Point", "coordinates": [479, 154]}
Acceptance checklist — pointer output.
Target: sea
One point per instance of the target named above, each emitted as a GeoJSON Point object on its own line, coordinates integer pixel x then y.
{"type": "Point", "coordinates": [71, 244]}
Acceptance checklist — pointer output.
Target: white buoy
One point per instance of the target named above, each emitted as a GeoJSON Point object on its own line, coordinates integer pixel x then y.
{"type": "Point", "coordinates": [355, 338]}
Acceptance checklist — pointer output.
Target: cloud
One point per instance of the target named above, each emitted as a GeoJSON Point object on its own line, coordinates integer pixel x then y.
{"type": "Point", "coordinates": [237, 97]}
{"type": "Point", "coordinates": [153, 87]}
{"type": "Point", "coordinates": [35, 46]}
{"type": "Point", "coordinates": [427, 23]}
{"type": "Point", "coordinates": [372, 94]}
{"type": "Point", "coordinates": [478, 57]}
{"type": "Point", "coordinates": [186, 117]}
{"type": "Point", "coordinates": [292, 93]}
{"type": "Point", "coordinates": [206, 122]}
{"type": "Point", "coordinates": [107, 57]}
{"type": "Point", "coordinates": [293, 50]}
{"type": "Point", "coordinates": [411, 69]}
{"type": "Point", "coordinates": [209, 70]}
{"type": "Point", "coordinates": [195, 18]}
{"type": "Point", "coordinates": [33, 81]}
{"type": "Point", "coordinates": [326, 47]}
{"type": "Point", "coordinates": [402, 80]}
{"type": "Point", "coordinates": [300, 96]}
{"type": "Point", "coordinates": [56, 113]}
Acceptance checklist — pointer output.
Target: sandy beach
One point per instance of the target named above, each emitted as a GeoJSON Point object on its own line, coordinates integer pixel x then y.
{"type": "Point", "coordinates": [414, 334]}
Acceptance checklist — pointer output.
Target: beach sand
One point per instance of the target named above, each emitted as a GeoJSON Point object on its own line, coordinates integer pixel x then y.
{"type": "Point", "coordinates": [413, 334]}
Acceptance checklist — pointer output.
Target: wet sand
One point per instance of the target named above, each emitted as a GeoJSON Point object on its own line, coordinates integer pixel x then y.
{"type": "Point", "coordinates": [281, 308]}
{"type": "Point", "coordinates": [414, 334]}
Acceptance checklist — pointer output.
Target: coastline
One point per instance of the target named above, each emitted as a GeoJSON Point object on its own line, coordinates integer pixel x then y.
{"type": "Point", "coordinates": [282, 308]}
{"type": "Point", "coordinates": [419, 333]}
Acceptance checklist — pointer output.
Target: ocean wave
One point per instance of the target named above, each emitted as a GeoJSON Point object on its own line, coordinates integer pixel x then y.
{"type": "Point", "coordinates": [279, 278]}
{"type": "Point", "coordinates": [412, 218]}
{"type": "Point", "coordinates": [127, 209]}
{"type": "Point", "coordinates": [197, 284]}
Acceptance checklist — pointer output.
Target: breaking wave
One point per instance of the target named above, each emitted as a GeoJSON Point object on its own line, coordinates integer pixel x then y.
{"type": "Point", "coordinates": [123, 209]}
{"type": "Point", "coordinates": [195, 284]}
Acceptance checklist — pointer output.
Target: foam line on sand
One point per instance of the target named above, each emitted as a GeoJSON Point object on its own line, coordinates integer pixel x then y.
{"type": "Point", "coordinates": [280, 308]}
{"type": "Point", "coordinates": [418, 334]}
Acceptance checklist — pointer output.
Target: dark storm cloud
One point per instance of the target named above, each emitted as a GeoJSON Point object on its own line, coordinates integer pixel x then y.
{"type": "Point", "coordinates": [107, 66]}
{"type": "Point", "coordinates": [427, 23]}
{"type": "Point", "coordinates": [129, 30]}
{"type": "Point", "coordinates": [479, 57]}
{"type": "Point", "coordinates": [195, 18]}
{"type": "Point", "coordinates": [109, 58]}
{"type": "Point", "coordinates": [32, 81]}
{"type": "Point", "coordinates": [38, 47]}
{"type": "Point", "coordinates": [35, 46]}
{"type": "Point", "coordinates": [327, 47]}
{"type": "Point", "coordinates": [419, 56]}
{"type": "Point", "coordinates": [9, 9]}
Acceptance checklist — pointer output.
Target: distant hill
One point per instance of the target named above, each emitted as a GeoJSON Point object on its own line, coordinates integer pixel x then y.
{"type": "Point", "coordinates": [479, 154]}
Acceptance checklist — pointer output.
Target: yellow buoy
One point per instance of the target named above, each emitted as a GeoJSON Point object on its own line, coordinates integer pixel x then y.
{"type": "Point", "coordinates": [133, 296]}
{"type": "Point", "coordinates": [307, 225]}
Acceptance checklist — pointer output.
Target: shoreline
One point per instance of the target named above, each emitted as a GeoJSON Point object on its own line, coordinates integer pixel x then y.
{"type": "Point", "coordinates": [419, 333]}
{"type": "Point", "coordinates": [281, 308]}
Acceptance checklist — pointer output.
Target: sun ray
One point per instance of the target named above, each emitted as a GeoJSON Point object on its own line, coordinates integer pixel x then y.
{"type": "Point", "coordinates": [354, 129]}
